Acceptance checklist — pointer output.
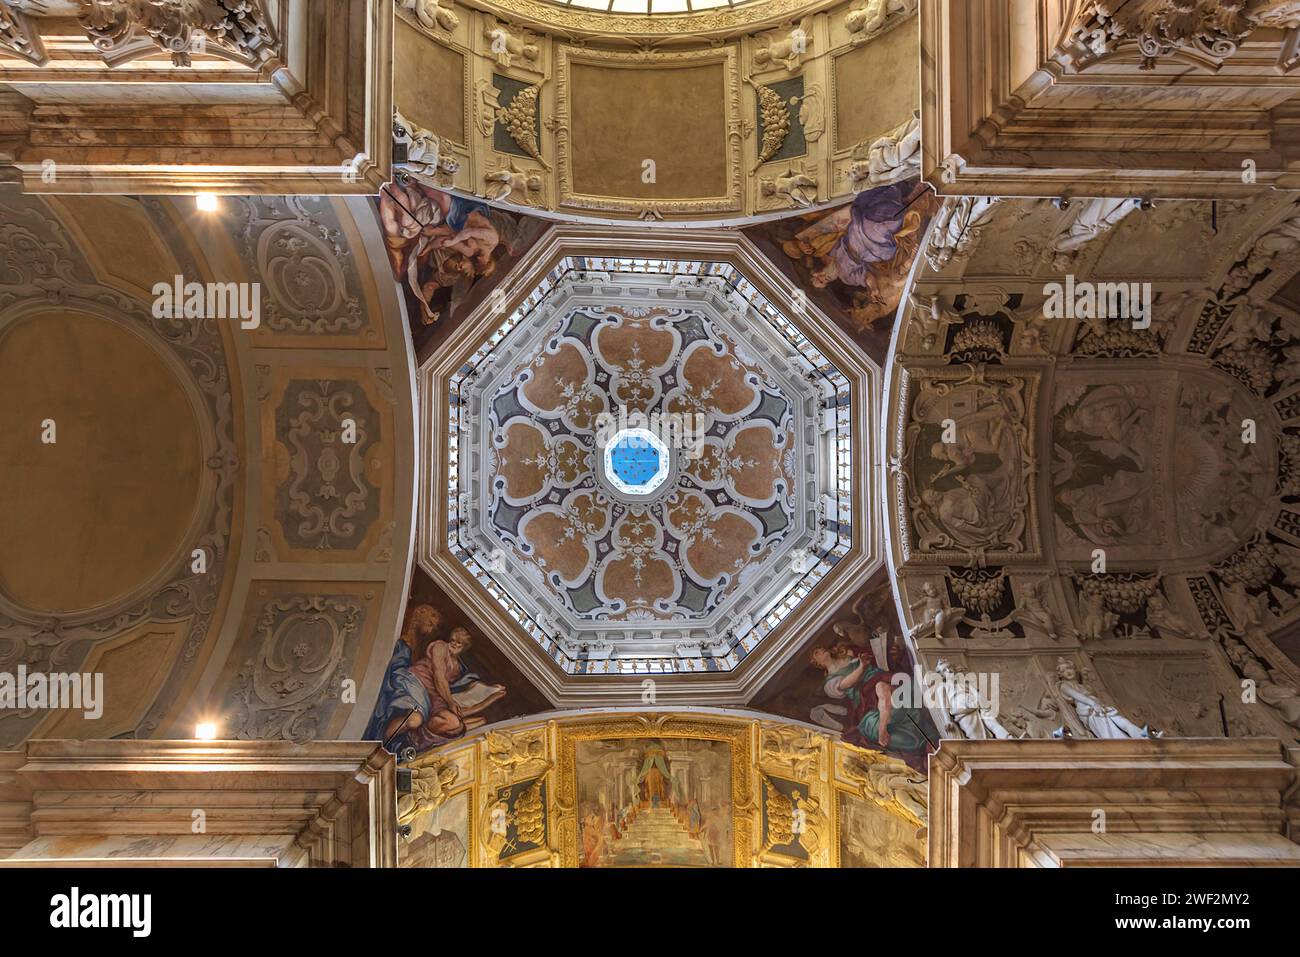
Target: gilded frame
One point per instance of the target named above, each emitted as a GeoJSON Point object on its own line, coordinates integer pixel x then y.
{"type": "Point", "coordinates": [841, 792]}
{"type": "Point", "coordinates": [689, 727]}
{"type": "Point", "coordinates": [465, 760]}
{"type": "Point", "coordinates": [731, 201]}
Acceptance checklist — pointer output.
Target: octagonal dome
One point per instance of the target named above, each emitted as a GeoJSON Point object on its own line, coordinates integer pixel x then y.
{"type": "Point", "coordinates": [650, 463]}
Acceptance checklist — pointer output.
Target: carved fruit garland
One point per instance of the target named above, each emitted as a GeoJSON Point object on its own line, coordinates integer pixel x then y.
{"type": "Point", "coordinates": [775, 116]}
{"type": "Point", "coordinates": [520, 121]}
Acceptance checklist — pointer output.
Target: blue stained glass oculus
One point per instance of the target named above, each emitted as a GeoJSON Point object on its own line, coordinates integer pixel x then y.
{"type": "Point", "coordinates": [636, 462]}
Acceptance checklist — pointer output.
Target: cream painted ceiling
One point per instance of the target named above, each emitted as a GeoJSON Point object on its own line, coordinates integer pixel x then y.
{"type": "Point", "coordinates": [194, 531]}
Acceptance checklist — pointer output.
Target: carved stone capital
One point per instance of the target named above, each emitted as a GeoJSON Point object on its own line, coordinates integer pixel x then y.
{"type": "Point", "coordinates": [1163, 27]}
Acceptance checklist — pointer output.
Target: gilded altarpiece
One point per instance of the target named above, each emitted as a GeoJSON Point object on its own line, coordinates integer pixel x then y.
{"type": "Point", "coordinates": [679, 789]}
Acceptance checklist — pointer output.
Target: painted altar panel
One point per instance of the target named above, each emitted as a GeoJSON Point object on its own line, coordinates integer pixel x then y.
{"type": "Point", "coordinates": [644, 789]}
{"type": "Point", "coordinates": [672, 791]}
{"type": "Point", "coordinates": [654, 802]}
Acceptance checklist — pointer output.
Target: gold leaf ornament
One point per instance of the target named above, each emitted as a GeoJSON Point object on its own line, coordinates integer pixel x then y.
{"type": "Point", "coordinates": [520, 121]}
{"type": "Point", "coordinates": [776, 122]}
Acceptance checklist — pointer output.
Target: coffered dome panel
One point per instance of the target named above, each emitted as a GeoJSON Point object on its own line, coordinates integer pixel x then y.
{"type": "Point", "coordinates": [732, 405]}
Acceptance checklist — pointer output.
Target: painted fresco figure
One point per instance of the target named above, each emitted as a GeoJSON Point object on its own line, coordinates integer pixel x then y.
{"type": "Point", "coordinates": [694, 821]}
{"type": "Point", "coordinates": [593, 838]}
{"type": "Point", "coordinates": [654, 778]}
{"type": "Point", "coordinates": [847, 241]}
{"type": "Point", "coordinates": [713, 834]}
{"type": "Point", "coordinates": [433, 698]}
{"type": "Point", "coordinates": [440, 244]}
{"type": "Point", "coordinates": [870, 718]}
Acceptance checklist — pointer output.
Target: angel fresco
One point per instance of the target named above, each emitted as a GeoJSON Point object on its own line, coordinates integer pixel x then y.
{"type": "Point", "coordinates": [441, 245]}
{"type": "Point", "coordinates": [862, 678]}
{"type": "Point", "coordinates": [849, 664]}
{"type": "Point", "coordinates": [859, 253]}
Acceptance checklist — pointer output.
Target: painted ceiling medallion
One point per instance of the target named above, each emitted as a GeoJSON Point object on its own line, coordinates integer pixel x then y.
{"type": "Point", "coordinates": [651, 465]}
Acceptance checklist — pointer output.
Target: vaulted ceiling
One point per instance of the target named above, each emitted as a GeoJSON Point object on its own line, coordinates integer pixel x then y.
{"type": "Point", "coordinates": [192, 525]}
{"type": "Point", "coordinates": [864, 296]}
{"type": "Point", "coordinates": [1120, 490]}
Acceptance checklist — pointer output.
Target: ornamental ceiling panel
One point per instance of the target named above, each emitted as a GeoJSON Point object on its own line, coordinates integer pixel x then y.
{"type": "Point", "coordinates": [1114, 496]}
{"type": "Point", "coordinates": [146, 96]}
{"type": "Point", "coordinates": [607, 551]}
{"type": "Point", "coordinates": [701, 116]}
{"type": "Point", "coordinates": [235, 490]}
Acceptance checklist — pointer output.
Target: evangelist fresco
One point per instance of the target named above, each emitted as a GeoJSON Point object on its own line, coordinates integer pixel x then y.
{"type": "Point", "coordinates": [646, 802]}
{"type": "Point", "coordinates": [445, 678]}
{"type": "Point", "coordinates": [842, 680]}
{"type": "Point", "coordinates": [854, 260]}
{"type": "Point", "coordinates": [447, 251]}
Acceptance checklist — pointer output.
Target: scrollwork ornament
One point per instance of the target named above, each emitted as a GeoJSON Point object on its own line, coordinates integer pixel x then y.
{"type": "Point", "coordinates": [125, 29]}
{"type": "Point", "coordinates": [1212, 29]}
{"type": "Point", "coordinates": [282, 691]}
